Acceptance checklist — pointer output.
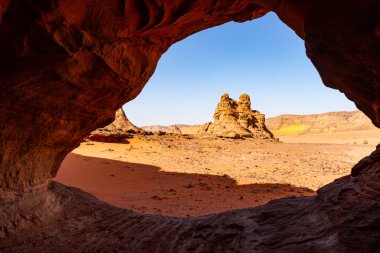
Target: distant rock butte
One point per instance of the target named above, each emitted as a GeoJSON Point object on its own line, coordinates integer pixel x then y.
{"type": "Point", "coordinates": [172, 129]}
{"type": "Point", "coordinates": [118, 131]}
{"type": "Point", "coordinates": [234, 119]}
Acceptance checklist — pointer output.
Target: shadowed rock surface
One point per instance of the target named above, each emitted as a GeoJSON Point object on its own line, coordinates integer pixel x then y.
{"type": "Point", "coordinates": [234, 119]}
{"type": "Point", "coordinates": [67, 66]}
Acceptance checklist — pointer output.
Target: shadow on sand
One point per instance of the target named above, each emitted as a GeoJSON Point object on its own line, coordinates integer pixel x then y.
{"type": "Point", "coordinates": [146, 189]}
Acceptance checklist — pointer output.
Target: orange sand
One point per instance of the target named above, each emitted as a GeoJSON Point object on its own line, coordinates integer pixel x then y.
{"type": "Point", "coordinates": [177, 176]}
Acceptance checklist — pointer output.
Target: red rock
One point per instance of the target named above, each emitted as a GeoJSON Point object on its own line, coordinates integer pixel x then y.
{"type": "Point", "coordinates": [65, 68]}
{"type": "Point", "coordinates": [117, 132]}
{"type": "Point", "coordinates": [236, 119]}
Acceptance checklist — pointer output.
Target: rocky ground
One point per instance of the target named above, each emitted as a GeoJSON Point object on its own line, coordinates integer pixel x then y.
{"type": "Point", "coordinates": [190, 176]}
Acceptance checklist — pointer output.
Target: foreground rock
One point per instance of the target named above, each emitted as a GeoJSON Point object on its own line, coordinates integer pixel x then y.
{"type": "Point", "coordinates": [118, 131]}
{"type": "Point", "coordinates": [65, 219]}
{"type": "Point", "coordinates": [234, 119]}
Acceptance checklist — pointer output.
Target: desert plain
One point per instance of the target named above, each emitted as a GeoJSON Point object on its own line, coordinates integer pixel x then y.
{"type": "Point", "coordinates": [188, 175]}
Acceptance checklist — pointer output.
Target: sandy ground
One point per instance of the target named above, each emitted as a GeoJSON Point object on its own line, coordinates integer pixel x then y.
{"type": "Point", "coordinates": [371, 137]}
{"type": "Point", "coordinates": [181, 176]}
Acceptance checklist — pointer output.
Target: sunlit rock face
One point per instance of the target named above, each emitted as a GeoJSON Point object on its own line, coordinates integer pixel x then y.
{"type": "Point", "coordinates": [65, 68]}
{"type": "Point", "coordinates": [118, 131]}
{"type": "Point", "coordinates": [236, 119]}
{"type": "Point", "coordinates": [122, 123]}
{"type": "Point", "coordinates": [346, 53]}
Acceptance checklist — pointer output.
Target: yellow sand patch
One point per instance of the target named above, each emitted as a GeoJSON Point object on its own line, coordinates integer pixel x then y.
{"type": "Point", "coordinates": [291, 130]}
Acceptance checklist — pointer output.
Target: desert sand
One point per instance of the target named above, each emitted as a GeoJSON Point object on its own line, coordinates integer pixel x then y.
{"type": "Point", "coordinates": [177, 175]}
{"type": "Point", "coordinates": [371, 137]}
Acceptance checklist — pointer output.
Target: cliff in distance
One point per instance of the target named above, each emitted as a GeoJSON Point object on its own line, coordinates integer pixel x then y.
{"type": "Point", "coordinates": [320, 123]}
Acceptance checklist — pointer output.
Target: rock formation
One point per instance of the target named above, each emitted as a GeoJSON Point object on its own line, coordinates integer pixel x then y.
{"type": "Point", "coordinates": [172, 129]}
{"type": "Point", "coordinates": [65, 68]}
{"type": "Point", "coordinates": [118, 131]}
{"type": "Point", "coordinates": [237, 120]}
{"type": "Point", "coordinates": [122, 123]}
{"type": "Point", "coordinates": [175, 130]}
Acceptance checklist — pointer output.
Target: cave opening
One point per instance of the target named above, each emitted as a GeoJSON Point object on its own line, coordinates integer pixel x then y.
{"type": "Point", "coordinates": [67, 66]}
{"type": "Point", "coordinates": [188, 173]}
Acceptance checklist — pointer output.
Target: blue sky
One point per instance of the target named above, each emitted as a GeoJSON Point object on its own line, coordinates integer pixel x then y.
{"type": "Point", "coordinates": [263, 58]}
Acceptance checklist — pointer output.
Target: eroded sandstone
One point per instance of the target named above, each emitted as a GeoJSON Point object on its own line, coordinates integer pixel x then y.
{"type": "Point", "coordinates": [236, 119]}
{"type": "Point", "coordinates": [118, 131]}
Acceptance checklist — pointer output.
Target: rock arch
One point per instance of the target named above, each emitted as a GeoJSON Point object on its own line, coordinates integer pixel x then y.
{"type": "Point", "coordinates": [66, 66]}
